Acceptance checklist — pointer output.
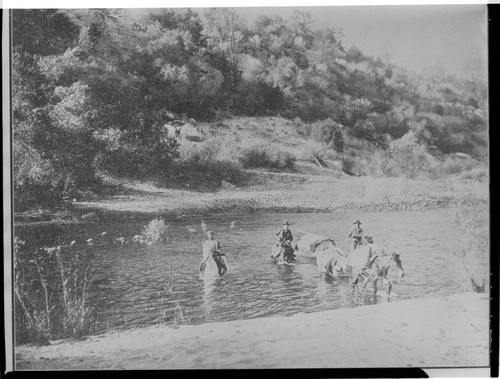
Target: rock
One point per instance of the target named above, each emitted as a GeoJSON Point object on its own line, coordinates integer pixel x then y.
{"type": "Point", "coordinates": [190, 133]}
{"type": "Point", "coordinates": [90, 216]}
{"type": "Point", "coordinates": [227, 185]}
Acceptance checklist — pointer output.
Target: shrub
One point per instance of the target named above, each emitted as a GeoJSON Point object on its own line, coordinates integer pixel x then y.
{"type": "Point", "coordinates": [323, 131]}
{"type": "Point", "coordinates": [338, 141]}
{"type": "Point", "coordinates": [348, 165]}
{"type": "Point", "coordinates": [204, 165]}
{"type": "Point", "coordinates": [155, 231]}
{"type": "Point", "coordinates": [52, 288]}
{"type": "Point", "coordinates": [267, 156]}
{"type": "Point", "coordinates": [213, 150]}
{"type": "Point", "coordinates": [139, 157]}
{"type": "Point", "coordinates": [377, 162]}
{"type": "Point", "coordinates": [470, 243]}
{"type": "Point", "coordinates": [319, 150]}
{"type": "Point", "coordinates": [408, 158]}
{"type": "Point", "coordinates": [477, 174]}
{"type": "Point", "coordinates": [203, 175]}
{"type": "Point", "coordinates": [329, 132]}
{"type": "Point", "coordinates": [257, 98]}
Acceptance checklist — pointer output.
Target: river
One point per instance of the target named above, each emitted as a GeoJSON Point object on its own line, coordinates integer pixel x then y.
{"type": "Point", "coordinates": [138, 285]}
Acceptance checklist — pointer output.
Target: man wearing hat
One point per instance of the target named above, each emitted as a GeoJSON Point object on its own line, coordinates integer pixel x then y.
{"type": "Point", "coordinates": [285, 238]}
{"type": "Point", "coordinates": [355, 234]}
{"type": "Point", "coordinates": [212, 246]}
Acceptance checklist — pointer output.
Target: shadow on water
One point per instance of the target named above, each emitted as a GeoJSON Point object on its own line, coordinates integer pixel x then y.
{"type": "Point", "coordinates": [139, 285]}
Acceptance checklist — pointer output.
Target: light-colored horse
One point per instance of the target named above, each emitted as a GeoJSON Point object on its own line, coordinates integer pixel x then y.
{"type": "Point", "coordinates": [208, 267]}
{"type": "Point", "coordinates": [328, 256]}
{"type": "Point", "coordinates": [370, 262]}
{"type": "Point", "coordinates": [306, 245]}
{"type": "Point", "coordinates": [210, 270]}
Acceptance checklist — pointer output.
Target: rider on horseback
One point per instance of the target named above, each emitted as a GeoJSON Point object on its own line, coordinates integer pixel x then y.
{"type": "Point", "coordinates": [212, 247]}
{"type": "Point", "coordinates": [284, 241]}
{"type": "Point", "coordinates": [355, 234]}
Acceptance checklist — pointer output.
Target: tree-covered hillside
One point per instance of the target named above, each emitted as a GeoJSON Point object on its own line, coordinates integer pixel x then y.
{"type": "Point", "coordinates": [92, 90]}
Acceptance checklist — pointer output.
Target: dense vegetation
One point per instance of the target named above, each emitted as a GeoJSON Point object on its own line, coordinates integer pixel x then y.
{"type": "Point", "coordinates": [92, 90]}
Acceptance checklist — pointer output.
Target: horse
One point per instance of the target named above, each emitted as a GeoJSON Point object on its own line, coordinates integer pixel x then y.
{"type": "Point", "coordinates": [306, 244]}
{"type": "Point", "coordinates": [329, 258]}
{"type": "Point", "coordinates": [209, 268]}
{"type": "Point", "coordinates": [368, 263]}
{"type": "Point", "coordinates": [280, 256]}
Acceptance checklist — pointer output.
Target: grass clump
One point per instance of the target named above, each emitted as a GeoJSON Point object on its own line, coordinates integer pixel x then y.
{"type": "Point", "coordinates": [155, 231]}
{"type": "Point", "coordinates": [52, 290]}
{"type": "Point", "coordinates": [266, 156]}
{"type": "Point", "coordinates": [470, 243]}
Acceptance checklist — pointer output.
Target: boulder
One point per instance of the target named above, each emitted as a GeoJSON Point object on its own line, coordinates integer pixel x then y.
{"type": "Point", "coordinates": [92, 216]}
{"type": "Point", "coordinates": [170, 130]}
{"type": "Point", "coordinates": [190, 133]}
{"type": "Point", "coordinates": [227, 185]}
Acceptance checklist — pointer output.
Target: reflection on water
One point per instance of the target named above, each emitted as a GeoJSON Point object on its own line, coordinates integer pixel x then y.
{"type": "Point", "coordinates": [139, 285]}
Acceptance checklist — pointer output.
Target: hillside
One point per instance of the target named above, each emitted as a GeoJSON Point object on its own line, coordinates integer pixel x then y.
{"type": "Point", "coordinates": [91, 98]}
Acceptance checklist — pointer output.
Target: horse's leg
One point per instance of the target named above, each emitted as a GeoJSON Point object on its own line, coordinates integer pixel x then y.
{"type": "Point", "coordinates": [331, 268]}
{"type": "Point", "coordinates": [354, 277]}
{"type": "Point", "coordinates": [389, 287]}
{"type": "Point", "coordinates": [375, 286]}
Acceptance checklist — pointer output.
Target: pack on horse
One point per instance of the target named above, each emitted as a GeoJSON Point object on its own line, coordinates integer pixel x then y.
{"type": "Point", "coordinates": [329, 259]}
{"type": "Point", "coordinates": [368, 263]}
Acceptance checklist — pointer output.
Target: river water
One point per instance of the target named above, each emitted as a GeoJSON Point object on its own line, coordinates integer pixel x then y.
{"type": "Point", "coordinates": [138, 285]}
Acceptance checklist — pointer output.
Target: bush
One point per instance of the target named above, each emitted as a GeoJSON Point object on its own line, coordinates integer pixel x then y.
{"type": "Point", "coordinates": [257, 98]}
{"type": "Point", "coordinates": [136, 158]}
{"type": "Point", "coordinates": [213, 150]}
{"type": "Point", "coordinates": [348, 165]}
{"type": "Point", "coordinates": [44, 179]}
{"type": "Point", "coordinates": [155, 231]}
{"type": "Point", "coordinates": [338, 141]}
{"type": "Point", "coordinates": [204, 165]}
{"type": "Point", "coordinates": [267, 156]}
{"type": "Point", "coordinates": [408, 158]}
{"type": "Point", "coordinates": [470, 243]}
{"type": "Point", "coordinates": [319, 150]}
{"type": "Point", "coordinates": [477, 174]}
{"type": "Point", "coordinates": [329, 132]}
{"type": "Point", "coordinates": [52, 290]}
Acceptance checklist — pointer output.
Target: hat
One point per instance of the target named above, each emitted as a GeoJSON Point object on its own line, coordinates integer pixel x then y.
{"type": "Point", "coordinates": [286, 223]}
{"type": "Point", "coordinates": [357, 222]}
{"type": "Point", "coordinates": [209, 232]}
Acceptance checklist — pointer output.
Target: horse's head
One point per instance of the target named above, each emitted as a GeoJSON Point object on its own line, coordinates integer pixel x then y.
{"type": "Point", "coordinates": [367, 240]}
{"type": "Point", "coordinates": [396, 258]}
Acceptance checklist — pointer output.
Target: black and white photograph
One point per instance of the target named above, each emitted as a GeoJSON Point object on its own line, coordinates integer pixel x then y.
{"type": "Point", "coordinates": [282, 187]}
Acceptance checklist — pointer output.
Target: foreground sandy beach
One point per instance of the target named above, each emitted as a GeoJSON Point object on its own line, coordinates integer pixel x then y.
{"type": "Point", "coordinates": [437, 332]}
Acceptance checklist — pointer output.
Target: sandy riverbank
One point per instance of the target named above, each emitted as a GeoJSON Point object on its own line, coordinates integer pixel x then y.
{"type": "Point", "coordinates": [437, 332]}
{"type": "Point", "coordinates": [277, 192]}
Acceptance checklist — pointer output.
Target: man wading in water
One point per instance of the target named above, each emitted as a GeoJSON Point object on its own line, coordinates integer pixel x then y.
{"type": "Point", "coordinates": [212, 246]}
